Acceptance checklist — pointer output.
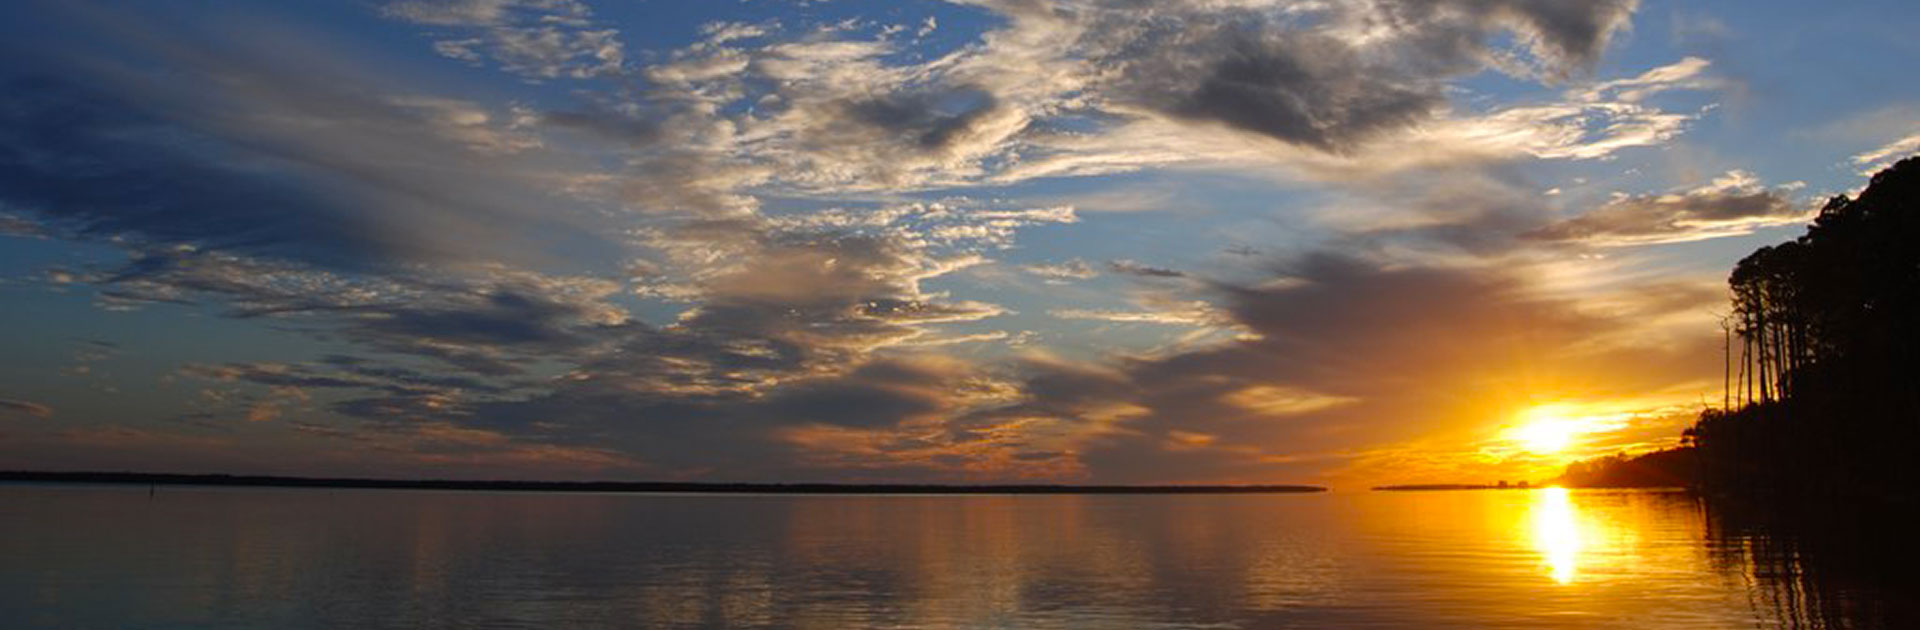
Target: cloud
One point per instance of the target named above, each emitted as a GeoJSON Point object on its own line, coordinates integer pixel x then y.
{"type": "Point", "coordinates": [772, 108]}
{"type": "Point", "coordinates": [1569, 35]}
{"type": "Point", "coordinates": [340, 372]}
{"type": "Point", "coordinates": [1698, 29]}
{"type": "Point", "coordinates": [25, 407]}
{"type": "Point", "coordinates": [1880, 159]}
{"type": "Point", "coordinates": [540, 39]}
{"type": "Point", "coordinates": [606, 124]}
{"type": "Point", "coordinates": [376, 395]}
{"type": "Point", "coordinates": [1196, 317]}
{"type": "Point", "coordinates": [1196, 313]}
{"type": "Point", "coordinates": [282, 150]}
{"type": "Point", "coordinates": [1131, 268]}
{"type": "Point", "coordinates": [1686, 74]}
{"type": "Point", "coordinates": [18, 226]}
{"type": "Point", "coordinates": [722, 261]}
{"type": "Point", "coordinates": [878, 414]}
{"type": "Point", "coordinates": [779, 336]}
{"type": "Point", "coordinates": [1322, 89]}
{"type": "Point", "coordinates": [1731, 205]}
{"type": "Point", "coordinates": [883, 392]}
{"type": "Point", "coordinates": [1342, 355]}
{"type": "Point", "coordinates": [1306, 89]}
{"type": "Point", "coordinates": [1330, 77]}
{"type": "Point", "coordinates": [1443, 212]}
{"type": "Point", "coordinates": [766, 380]}
{"type": "Point", "coordinates": [493, 321]}
{"type": "Point", "coordinates": [1070, 270]}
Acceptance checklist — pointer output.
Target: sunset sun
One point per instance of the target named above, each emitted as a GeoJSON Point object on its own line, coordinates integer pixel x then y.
{"type": "Point", "coordinates": [959, 313]}
{"type": "Point", "coordinates": [1546, 430]}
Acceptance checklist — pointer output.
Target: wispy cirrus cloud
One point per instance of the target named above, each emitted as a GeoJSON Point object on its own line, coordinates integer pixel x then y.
{"type": "Point", "coordinates": [1874, 161]}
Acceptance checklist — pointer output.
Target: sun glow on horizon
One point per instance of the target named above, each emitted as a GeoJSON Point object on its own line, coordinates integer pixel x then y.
{"type": "Point", "coordinates": [1547, 429]}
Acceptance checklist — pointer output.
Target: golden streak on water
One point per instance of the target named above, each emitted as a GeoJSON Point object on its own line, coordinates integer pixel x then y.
{"type": "Point", "coordinates": [1541, 558]}
{"type": "Point", "coordinates": [1556, 533]}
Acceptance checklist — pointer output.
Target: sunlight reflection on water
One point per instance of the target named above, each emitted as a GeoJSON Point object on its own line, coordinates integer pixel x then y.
{"type": "Point", "coordinates": [1556, 532]}
{"type": "Point", "coordinates": [230, 558]}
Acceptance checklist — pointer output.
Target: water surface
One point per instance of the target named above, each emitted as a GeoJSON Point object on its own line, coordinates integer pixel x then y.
{"type": "Point", "coordinates": [80, 556]}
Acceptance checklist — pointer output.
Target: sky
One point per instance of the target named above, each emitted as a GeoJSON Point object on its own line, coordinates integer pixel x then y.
{"type": "Point", "coordinates": [1068, 241]}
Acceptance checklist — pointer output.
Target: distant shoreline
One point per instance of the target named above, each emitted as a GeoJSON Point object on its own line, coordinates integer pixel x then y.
{"type": "Point", "coordinates": [270, 481]}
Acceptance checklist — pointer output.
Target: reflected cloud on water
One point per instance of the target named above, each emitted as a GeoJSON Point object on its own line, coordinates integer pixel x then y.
{"type": "Point", "coordinates": [106, 557]}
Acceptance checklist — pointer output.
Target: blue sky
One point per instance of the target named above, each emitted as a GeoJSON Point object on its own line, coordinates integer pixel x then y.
{"type": "Point", "coordinates": [1067, 240]}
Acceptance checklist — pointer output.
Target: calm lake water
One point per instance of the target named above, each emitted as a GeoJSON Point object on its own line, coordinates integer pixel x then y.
{"type": "Point", "coordinates": [109, 557]}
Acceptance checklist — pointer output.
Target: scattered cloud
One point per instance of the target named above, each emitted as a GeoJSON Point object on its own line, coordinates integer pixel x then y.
{"type": "Point", "coordinates": [1343, 355]}
{"type": "Point", "coordinates": [24, 407]}
{"type": "Point", "coordinates": [1191, 314]}
{"type": "Point", "coordinates": [1874, 161]}
{"type": "Point", "coordinates": [538, 39]}
{"type": "Point", "coordinates": [1731, 205]}
{"type": "Point", "coordinates": [741, 258]}
{"type": "Point", "coordinates": [1131, 268]}
{"type": "Point", "coordinates": [1070, 270]}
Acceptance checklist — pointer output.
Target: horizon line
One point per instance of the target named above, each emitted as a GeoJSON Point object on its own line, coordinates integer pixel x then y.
{"type": "Point", "coordinates": [713, 487]}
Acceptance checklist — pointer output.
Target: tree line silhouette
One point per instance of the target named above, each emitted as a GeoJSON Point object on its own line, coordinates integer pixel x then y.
{"type": "Point", "coordinates": [1821, 357]}
{"type": "Point", "coordinates": [1671, 468]}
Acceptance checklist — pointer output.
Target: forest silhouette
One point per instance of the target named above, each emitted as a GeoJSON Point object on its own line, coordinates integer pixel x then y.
{"type": "Point", "coordinates": [1820, 397]}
